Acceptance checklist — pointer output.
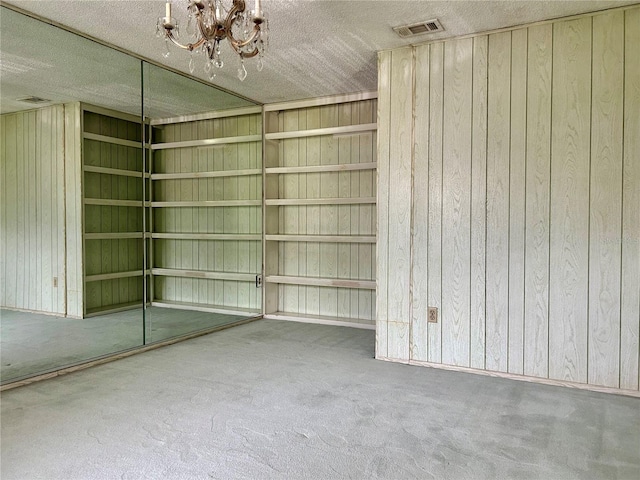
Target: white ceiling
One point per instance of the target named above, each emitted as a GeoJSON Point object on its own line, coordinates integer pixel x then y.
{"type": "Point", "coordinates": [41, 60]}
{"type": "Point", "coordinates": [317, 48]}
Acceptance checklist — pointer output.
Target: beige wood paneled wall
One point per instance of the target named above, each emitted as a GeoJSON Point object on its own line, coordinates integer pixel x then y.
{"type": "Point", "coordinates": [207, 218]}
{"type": "Point", "coordinates": [521, 150]}
{"type": "Point", "coordinates": [32, 170]}
{"type": "Point", "coordinates": [320, 213]}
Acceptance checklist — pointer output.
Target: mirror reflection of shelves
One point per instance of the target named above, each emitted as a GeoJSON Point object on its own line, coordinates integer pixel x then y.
{"type": "Point", "coordinates": [112, 210]}
{"type": "Point", "coordinates": [205, 225]}
{"type": "Point", "coordinates": [320, 211]}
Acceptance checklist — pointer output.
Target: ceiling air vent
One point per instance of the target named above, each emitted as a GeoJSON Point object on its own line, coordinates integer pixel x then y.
{"type": "Point", "coordinates": [430, 26]}
{"type": "Point", "coordinates": [34, 100]}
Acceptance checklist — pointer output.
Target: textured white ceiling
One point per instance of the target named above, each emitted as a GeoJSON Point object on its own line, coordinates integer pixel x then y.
{"type": "Point", "coordinates": [41, 60]}
{"type": "Point", "coordinates": [317, 48]}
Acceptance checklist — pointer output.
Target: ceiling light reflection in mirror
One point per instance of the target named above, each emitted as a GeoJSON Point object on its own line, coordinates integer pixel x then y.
{"type": "Point", "coordinates": [74, 68]}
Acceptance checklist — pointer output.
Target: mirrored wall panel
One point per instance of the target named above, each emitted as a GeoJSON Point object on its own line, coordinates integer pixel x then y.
{"type": "Point", "coordinates": [71, 217]}
{"type": "Point", "coordinates": [205, 214]}
{"type": "Point", "coordinates": [120, 181]}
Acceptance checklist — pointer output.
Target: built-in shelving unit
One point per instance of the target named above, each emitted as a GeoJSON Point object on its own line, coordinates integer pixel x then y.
{"type": "Point", "coordinates": [319, 210]}
{"type": "Point", "coordinates": [205, 225]}
{"type": "Point", "coordinates": [112, 210]}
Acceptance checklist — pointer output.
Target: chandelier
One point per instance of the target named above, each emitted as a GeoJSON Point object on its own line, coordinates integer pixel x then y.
{"type": "Point", "coordinates": [209, 22]}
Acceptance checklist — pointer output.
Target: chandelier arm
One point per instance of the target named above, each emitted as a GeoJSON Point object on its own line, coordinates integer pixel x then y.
{"type": "Point", "coordinates": [238, 44]}
{"type": "Point", "coordinates": [189, 46]}
{"type": "Point", "coordinates": [253, 53]}
{"type": "Point", "coordinates": [239, 7]}
{"type": "Point", "coordinates": [242, 54]}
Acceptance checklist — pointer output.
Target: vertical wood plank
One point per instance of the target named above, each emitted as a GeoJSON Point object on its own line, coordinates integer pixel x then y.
{"type": "Point", "coordinates": [10, 211]}
{"type": "Point", "coordinates": [328, 213]}
{"type": "Point", "coordinates": [536, 286]}
{"type": "Point", "coordinates": [312, 227]}
{"type": "Point", "coordinates": [420, 207]}
{"type": "Point", "coordinates": [434, 241]}
{"type": "Point", "coordinates": [517, 188]}
{"type": "Point", "coordinates": [478, 201]}
{"type": "Point", "coordinates": [456, 206]}
{"type": "Point", "coordinates": [47, 164]}
{"type": "Point", "coordinates": [3, 209]}
{"type": "Point", "coordinates": [40, 208]}
{"type": "Point", "coordinates": [498, 146]}
{"type": "Point", "coordinates": [606, 199]}
{"type": "Point", "coordinates": [400, 144]}
{"type": "Point", "coordinates": [345, 117]}
{"type": "Point", "coordinates": [61, 271]}
{"type": "Point", "coordinates": [290, 224]}
{"type": "Point", "coordinates": [630, 291]}
{"type": "Point", "coordinates": [399, 341]}
{"type": "Point", "coordinates": [382, 245]}
{"type": "Point", "coordinates": [568, 286]}
{"type": "Point", "coordinates": [20, 179]}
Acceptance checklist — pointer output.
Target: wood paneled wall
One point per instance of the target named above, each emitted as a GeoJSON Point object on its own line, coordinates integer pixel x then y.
{"type": "Point", "coordinates": [214, 257]}
{"type": "Point", "coordinates": [521, 150]}
{"type": "Point", "coordinates": [73, 200]}
{"type": "Point", "coordinates": [106, 255]}
{"type": "Point", "coordinates": [294, 226]}
{"type": "Point", "coordinates": [32, 248]}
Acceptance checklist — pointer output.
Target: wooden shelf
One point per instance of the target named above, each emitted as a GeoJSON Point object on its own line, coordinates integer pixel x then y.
{"type": "Point", "coordinates": [169, 272]}
{"type": "Point", "coordinates": [112, 140]}
{"type": "Point", "coordinates": [220, 173]}
{"type": "Point", "coordinates": [114, 171]}
{"type": "Point", "coordinates": [322, 238]}
{"type": "Point", "coordinates": [234, 112]}
{"type": "Point", "coordinates": [319, 101]}
{"type": "Point", "coordinates": [114, 275]}
{"type": "Point", "coordinates": [356, 171]}
{"type": "Point", "coordinates": [319, 201]}
{"type": "Point", "coordinates": [207, 142]}
{"type": "Point", "coordinates": [104, 202]}
{"type": "Point", "coordinates": [107, 112]}
{"type": "Point", "coordinates": [322, 282]}
{"type": "Point", "coordinates": [348, 167]}
{"type": "Point", "coordinates": [206, 236]}
{"type": "Point", "coordinates": [112, 236]}
{"type": "Point", "coordinates": [201, 307]}
{"type": "Point", "coordinates": [345, 130]}
{"type": "Point", "coordinates": [322, 319]}
{"type": "Point", "coordinates": [209, 203]}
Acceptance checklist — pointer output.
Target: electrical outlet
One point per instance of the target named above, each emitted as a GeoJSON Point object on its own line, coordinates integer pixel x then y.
{"type": "Point", "coordinates": [433, 315]}
{"type": "Point", "coordinates": [55, 282]}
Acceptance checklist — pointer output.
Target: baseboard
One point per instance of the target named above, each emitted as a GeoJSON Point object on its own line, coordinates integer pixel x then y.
{"type": "Point", "coordinates": [40, 312]}
{"type": "Point", "coordinates": [520, 378]}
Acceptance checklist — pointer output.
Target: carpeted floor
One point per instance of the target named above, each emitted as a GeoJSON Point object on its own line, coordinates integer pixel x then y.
{"type": "Point", "coordinates": [31, 343]}
{"type": "Point", "coordinates": [285, 400]}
